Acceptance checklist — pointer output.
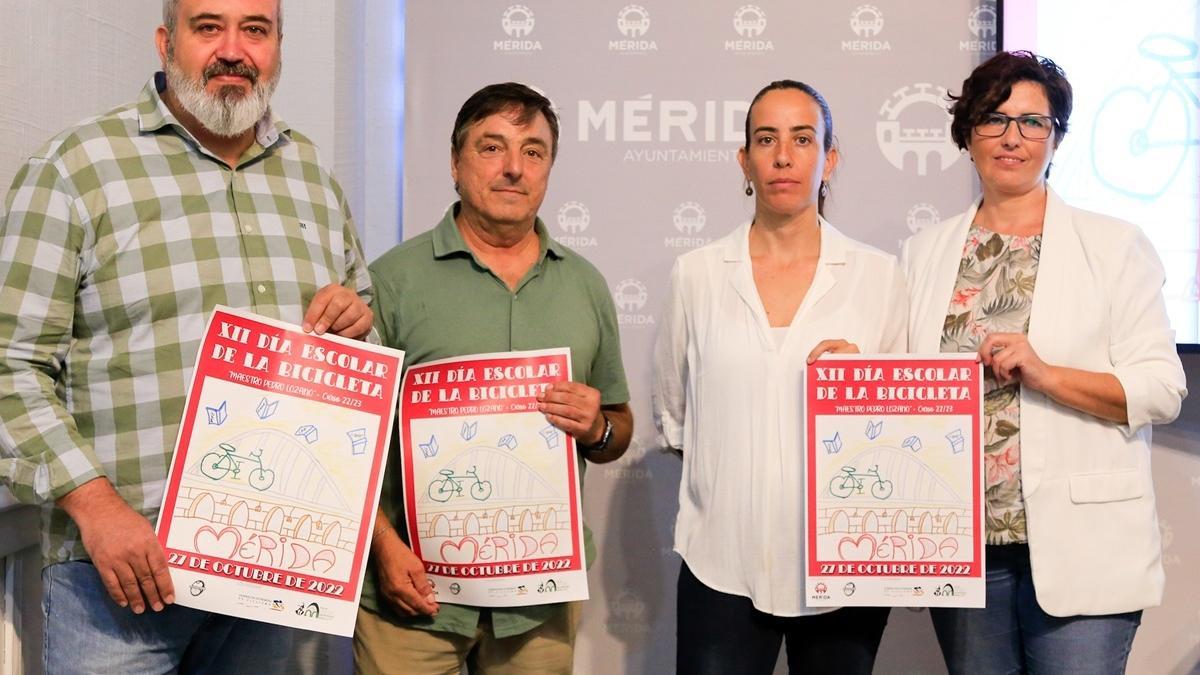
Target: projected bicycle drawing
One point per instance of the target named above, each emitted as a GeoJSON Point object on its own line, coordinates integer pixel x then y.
{"type": "Point", "coordinates": [1140, 137]}
{"type": "Point", "coordinates": [219, 465]}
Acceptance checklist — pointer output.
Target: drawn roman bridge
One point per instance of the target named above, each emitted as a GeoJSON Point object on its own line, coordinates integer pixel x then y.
{"type": "Point", "coordinates": [301, 500]}
{"type": "Point", "coordinates": [519, 499]}
{"type": "Point", "coordinates": [920, 500]}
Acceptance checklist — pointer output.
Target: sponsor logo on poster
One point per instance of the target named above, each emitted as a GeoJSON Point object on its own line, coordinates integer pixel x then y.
{"type": "Point", "coordinates": [689, 219]}
{"type": "Point", "coordinates": [982, 24]}
{"type": "Point", "coordinates": [867, 23]}
{"type": "Point", "coordinates": [903, 592]}
{"type": "Point", "coordinates": [921, 216]}
{"type": "Point", "coordinates": [310, 610]}
{"type": "Point", "coordinates": [633, 21]}
{"type": "Point", "coordinates": [573, 219]}
{"type": "Point", "coordinates": [749, 22]}
{"type": "Point", "coordinates": [630, 297]}
{"type": "Point", "coordinates": [915, 127]}
{"type": "Point", "coordinates": [945, 591]}
{"type": "Point", "coordinates": [518, 23]}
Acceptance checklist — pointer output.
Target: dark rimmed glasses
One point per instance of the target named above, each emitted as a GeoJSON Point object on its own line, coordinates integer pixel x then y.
{"type": "Point", "coordinates": [1031, 127]}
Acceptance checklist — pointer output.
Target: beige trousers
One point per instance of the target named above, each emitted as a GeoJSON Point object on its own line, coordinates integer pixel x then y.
{"type": "Point", "coordinates": [385, 648]}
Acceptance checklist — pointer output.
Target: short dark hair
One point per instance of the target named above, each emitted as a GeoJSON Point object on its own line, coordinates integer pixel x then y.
{"type": "Point", "coordinates": [827, 141]}
{"type": "Point", "coordinates": [502, 97]}
{"type": "Point", "coordinates": [991, 83]}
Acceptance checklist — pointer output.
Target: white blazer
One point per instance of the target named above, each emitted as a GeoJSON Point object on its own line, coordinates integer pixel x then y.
{"type": "Point", "coordinates": [1097, 305]}
{"type": "Point", "coordinates": [728, 395]}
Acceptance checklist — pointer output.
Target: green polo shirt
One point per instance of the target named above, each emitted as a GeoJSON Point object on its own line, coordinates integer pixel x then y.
{"type": "Point", "coordinates": [434, 299]}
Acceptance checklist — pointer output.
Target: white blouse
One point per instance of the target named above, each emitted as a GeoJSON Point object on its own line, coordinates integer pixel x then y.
{"type": "Point", "coordinates": [730, 399]}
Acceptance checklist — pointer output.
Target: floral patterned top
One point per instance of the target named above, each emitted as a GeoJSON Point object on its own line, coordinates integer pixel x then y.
{"type": "Point", "coordinates": [993, 294]}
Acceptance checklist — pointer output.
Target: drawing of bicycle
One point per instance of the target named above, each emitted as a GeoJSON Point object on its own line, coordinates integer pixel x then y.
{"type": "Point", "coordinates": [850, 482]}
{"type": "Point", "coordinates": [1141, 137]}
{"type": "Point", "coordinates": [450, 485]}
{"type": "Point", "coordinates": [219, 465]}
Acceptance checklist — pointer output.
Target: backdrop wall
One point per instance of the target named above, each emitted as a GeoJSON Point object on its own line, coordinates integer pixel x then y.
{"type": "Point", "coordinates": [652, 108]}
{"type": "Point", "coordinates": [652, 97]}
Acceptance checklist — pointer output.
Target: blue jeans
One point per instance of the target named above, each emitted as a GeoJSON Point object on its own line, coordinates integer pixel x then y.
{"type": "Point", "coordinates": [86, 632]}
{"type": "Point", "coordinates": [1013, 635]}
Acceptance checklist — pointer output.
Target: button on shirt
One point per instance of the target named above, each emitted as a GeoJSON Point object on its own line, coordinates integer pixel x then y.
{"type": "Point", "coordinates": [729, 396]}
{"type": "Point", "coordinates": [121, 234]}
{"type": "Point", "coordinates": [436, 300]}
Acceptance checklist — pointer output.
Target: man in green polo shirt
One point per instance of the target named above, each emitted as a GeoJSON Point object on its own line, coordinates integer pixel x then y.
{"type": "Point", "coordinates": [488, 278]}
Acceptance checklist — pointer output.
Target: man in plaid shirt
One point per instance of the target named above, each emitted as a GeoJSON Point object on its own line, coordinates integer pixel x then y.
{"type": "Point", "coordinates": [117, 239]}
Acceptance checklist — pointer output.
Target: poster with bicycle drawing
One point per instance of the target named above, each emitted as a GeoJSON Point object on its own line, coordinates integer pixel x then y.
{"type": "Point", "coordinates": [275, 481]}
{"type": "Point", "coordinates": [894, 484]}
{"type": "Point", "coordinates": [491, 488]}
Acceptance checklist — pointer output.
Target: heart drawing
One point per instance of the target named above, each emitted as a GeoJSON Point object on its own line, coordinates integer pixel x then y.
{"type": "Point", "coordinates": [460, 553]}
{"type": "Point", "coordinates": [862, 548]}
{"type": "Point", "coordinates": [221, 544]}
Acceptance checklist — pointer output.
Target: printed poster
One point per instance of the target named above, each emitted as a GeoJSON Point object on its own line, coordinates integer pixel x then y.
{"type": "Point", "coordinates": [492, 488]}
{"type": "Point", "coordinates": [895, 491]}
{"type": "Point", "coordinates": [274, 485]}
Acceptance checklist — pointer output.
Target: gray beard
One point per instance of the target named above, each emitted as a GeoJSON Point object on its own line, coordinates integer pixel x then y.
{"type": "Point", "coordinates": [227, 113]}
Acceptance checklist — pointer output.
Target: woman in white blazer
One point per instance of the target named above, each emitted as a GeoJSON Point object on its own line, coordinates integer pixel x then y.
{"type": "Point", "coordinates": [746, 314]}
{"type": "Point", "coordinates": [1065, 309]}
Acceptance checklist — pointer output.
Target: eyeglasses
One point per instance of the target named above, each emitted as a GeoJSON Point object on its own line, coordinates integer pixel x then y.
{"type": "Point", "coordinates": [1031, 127]}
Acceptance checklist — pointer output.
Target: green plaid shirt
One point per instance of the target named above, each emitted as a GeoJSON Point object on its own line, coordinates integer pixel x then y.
{"type": "Point", "coordinates": [118, 238]}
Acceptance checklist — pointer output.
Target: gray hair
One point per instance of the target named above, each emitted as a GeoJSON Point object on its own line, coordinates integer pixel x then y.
{"type": "Point", "coordinates": [171, 17]}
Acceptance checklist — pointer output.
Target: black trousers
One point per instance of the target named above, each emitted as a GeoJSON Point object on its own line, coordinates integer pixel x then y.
{"type": "Point", "coordinates": [722, 634]}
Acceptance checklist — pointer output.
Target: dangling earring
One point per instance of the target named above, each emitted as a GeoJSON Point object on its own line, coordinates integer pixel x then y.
{"type": "Point", "coordinates": [824, 189]}
{"type": "Point", "coordinates": [749, 190]}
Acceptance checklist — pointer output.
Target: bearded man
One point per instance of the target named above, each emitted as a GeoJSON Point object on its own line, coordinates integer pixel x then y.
{"type": "Point", "coordinates": [117, 239]}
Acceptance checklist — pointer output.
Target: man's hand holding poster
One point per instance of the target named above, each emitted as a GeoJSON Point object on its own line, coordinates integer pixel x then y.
{"type": "Point", "coordinates": [275, 481]}
{"type": "Point", "coordinates": [895, 511]}
{"type": "Point", "coordinates": [492, 488]}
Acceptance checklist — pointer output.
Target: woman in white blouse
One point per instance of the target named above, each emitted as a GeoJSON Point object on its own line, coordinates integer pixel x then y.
{"type": "Point", "coordinates": [747, 314]}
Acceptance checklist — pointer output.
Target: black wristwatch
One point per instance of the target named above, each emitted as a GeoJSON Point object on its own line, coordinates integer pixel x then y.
{"type": "Point", "coordinates": [604, 438]}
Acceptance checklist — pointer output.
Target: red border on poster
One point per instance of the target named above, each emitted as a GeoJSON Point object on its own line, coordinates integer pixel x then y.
{"type": "Point", "coordinates": [245, 350]}
{"type": "Point", "coordinates": [900, 386]}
